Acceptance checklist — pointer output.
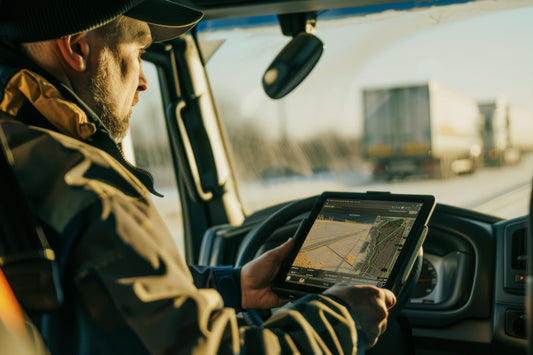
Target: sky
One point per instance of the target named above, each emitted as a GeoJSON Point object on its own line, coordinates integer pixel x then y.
{"type": "Point", "coordinates": [486, 56]}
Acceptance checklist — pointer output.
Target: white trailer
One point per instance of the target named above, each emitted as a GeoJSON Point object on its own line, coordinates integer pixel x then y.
{"type": "Point", "coordinates": [420, 129]}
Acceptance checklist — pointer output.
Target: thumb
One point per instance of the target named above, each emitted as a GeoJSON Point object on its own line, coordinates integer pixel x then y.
{"type": "Point", "coordinates": [281, 252]}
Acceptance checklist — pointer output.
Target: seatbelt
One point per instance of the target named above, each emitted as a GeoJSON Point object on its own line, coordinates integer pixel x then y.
{"type": "Point", "coordinates": [26, 258]}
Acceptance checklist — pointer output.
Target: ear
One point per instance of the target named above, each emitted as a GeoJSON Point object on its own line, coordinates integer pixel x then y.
{"type": "Point", "coordinates": [75, 51]}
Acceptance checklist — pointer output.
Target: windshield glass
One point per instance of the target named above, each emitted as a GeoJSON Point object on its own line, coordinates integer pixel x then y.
{"type": "Point", "coordinates": [434, 101]}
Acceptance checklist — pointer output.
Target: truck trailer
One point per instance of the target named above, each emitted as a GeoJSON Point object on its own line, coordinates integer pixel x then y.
{"type": "Point", "coordinates": [420, 129]}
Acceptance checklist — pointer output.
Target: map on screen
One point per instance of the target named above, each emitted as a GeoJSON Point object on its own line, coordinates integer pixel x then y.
{"type": "Point", "coordinates": [353, 243]}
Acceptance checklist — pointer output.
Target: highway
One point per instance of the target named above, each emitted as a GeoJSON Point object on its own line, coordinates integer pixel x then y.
{"type": "Point", "coordinates": [499, 191]}
{"type": "Point", "coordinates": [502, 192]}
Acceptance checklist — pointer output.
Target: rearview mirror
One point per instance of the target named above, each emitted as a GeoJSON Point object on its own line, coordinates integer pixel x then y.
{"type": "Point", "coordinates": [292, 65]}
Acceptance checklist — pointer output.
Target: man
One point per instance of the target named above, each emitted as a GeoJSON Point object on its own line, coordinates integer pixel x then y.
{"type": "Point", "coordinates": [70, 72]}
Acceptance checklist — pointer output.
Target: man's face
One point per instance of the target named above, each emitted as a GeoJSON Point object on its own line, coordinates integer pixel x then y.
{"type": "Point", "coordinates": [118, 76]}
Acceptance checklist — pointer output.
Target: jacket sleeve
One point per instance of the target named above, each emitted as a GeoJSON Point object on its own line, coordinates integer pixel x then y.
{"type": "Point", "coordinates": [127, 253]}
{"type": "Point", "coordinates": [225, 279]}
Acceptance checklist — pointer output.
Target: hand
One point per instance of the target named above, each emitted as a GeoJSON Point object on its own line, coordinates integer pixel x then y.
{"type": "Point", "coordinates": [257, 276]}
{"type": "Point", "coordinates": [370, 304]}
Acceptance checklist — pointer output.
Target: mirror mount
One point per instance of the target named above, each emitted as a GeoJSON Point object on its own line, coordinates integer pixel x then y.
{"type": "Point", "coordinates": [292, 24]}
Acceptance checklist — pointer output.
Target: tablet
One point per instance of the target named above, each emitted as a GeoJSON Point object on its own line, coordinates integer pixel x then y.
{"type": "Point", "coordinates": [368, 238]}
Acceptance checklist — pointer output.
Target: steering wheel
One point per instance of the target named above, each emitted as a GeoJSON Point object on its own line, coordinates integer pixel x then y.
{"type": "Point", "coordinates": [256, 237]}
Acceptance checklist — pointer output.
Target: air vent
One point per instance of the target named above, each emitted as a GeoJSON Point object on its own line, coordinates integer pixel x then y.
{"type": "Point", "coordinates": [518, 250]}
{"type": "Point", "coordinates": [516, 260]}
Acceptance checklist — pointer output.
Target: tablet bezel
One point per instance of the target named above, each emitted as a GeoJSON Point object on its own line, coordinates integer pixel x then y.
{"type": "Point", "coordinates": [403, 263]}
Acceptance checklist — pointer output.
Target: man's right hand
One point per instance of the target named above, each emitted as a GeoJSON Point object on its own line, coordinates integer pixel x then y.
{"type": "Point", "coordinates": [371, 306]}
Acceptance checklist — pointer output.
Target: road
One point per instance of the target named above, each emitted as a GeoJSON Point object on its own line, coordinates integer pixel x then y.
{"type": "Point", "coordinates": [502, 192]}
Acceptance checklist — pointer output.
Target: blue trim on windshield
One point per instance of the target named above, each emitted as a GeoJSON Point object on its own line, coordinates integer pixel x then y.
{"type": "Point", "coordinates": [256, 21]}
{"type": "Point", "coordinates": [244, 22]}
{"type": "Point", "coordinates": [375, 9]}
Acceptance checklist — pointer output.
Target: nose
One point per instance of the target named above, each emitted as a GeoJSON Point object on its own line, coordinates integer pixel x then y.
{"type": "Point", "coordinates": [143, 82]}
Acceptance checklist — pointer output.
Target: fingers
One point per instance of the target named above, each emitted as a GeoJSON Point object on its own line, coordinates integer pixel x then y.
{"type": "Point", "coordinates": [371, 305]}
{"type": "Point", "coordinates": [384, 300]}
{"type": "Point", "coordinates": [390, 299]}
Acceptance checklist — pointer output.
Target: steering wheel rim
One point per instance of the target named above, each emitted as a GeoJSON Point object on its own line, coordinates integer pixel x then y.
{"type": "Point", "coordinates": [259, 235]}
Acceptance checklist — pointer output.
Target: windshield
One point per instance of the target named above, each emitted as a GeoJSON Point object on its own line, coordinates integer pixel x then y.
{"type": "Point", "coordinates": [435, 101]}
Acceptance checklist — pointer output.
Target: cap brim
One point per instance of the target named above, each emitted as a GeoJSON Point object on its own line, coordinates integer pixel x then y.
{"type": "Point", "coordinates": [166, 19]}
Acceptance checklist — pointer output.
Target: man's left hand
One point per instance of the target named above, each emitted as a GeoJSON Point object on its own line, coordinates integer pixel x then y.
{"type": "Point", "coordinates": [257, 277]}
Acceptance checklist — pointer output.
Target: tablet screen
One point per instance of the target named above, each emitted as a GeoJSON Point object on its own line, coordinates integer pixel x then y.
{"type": "Point", "coordinates": [353, 242]}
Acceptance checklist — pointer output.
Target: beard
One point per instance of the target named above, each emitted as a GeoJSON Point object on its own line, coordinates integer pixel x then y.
{"type": "Point", "coordinates": [103, 106]}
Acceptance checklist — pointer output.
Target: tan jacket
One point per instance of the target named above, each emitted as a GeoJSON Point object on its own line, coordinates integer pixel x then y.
{"type": "Point", "coordinates": [124, 270]}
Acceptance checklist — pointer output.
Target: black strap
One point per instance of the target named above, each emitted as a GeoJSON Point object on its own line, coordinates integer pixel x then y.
{"type": "Point", "coordinates": [26, 259]}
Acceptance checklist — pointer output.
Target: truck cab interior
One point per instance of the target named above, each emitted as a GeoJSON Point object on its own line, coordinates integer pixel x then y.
{"type": "Point", "coordinates": [260, 108]}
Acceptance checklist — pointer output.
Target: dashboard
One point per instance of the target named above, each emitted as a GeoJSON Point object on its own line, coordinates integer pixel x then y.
{"type": "Point", "coordinates": [469, 297]}
{"type": "Point", "coordinates": [447, 273]}
{"type": "Point", "coordinates": [471, 286]}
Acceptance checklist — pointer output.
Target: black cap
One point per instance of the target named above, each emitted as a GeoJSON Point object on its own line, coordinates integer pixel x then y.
{"type": "Point", "coordinates": [31, 21]}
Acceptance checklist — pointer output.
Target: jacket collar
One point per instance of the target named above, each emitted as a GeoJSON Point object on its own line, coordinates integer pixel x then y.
{"type": "Point", "coordinates": [22, 80]}
{"type": "Point", "coordinates": [67, 117]}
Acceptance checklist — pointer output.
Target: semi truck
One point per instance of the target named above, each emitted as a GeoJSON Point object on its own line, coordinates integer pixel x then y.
{"type": "Point", "coordinates": [506, 132]}
{"type": "Point", "coordinates": [420, 129]}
